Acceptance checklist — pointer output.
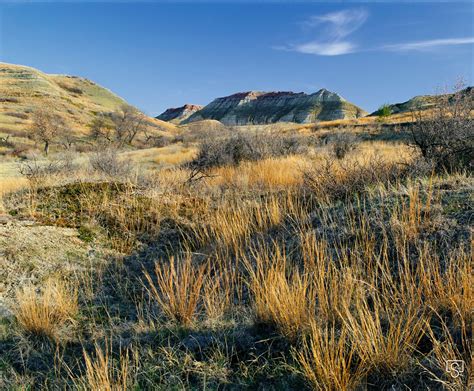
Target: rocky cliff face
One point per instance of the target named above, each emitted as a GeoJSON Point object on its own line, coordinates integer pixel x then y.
{"type": "Point", "coordinates": [248, 108]}
{"type": "Point", "coordinates": [178, 114]}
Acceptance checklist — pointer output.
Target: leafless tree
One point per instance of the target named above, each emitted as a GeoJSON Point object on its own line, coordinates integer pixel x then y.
{"type": "Point", "coordinates": [120, 127]}
{"type": "Point", "coordinates": [46, 126]}
{"type": "Point", "coordinates": [101, 128]}
{"type": "Point", "coordinates": [67, 141]}
{"type": "Point", "coordinates": [128, 122]}
{"type": "Point", "coordinates": [445, 135]}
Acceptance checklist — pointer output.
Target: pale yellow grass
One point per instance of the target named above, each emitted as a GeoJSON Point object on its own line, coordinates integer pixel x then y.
{"type": "Point", "coordinates": [9, 185]}
{"type": "Point", "coordinates": [178, 288]}
{"type": "Point", "coordinates": [272, 173]}
{"type": "Point", "coordinates": [171, 155]}
{"type": "Point", "coordinates": [281, 298]}
{"type": "Point", "coordinates": [175, 155]}
{"type": "Point", "coordinates": [103, 373]}
{"type": "Point", "coordinates": [389, 152]}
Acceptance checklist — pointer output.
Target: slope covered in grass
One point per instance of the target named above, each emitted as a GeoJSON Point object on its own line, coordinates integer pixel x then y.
{"type": "Point", "coordinates": [77, 100]}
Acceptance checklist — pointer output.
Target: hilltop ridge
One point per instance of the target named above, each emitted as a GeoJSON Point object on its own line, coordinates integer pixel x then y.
{"type": "Point", "coordinates": [259, 107]}
{"type": "Point", "coordinates": [178, 114]}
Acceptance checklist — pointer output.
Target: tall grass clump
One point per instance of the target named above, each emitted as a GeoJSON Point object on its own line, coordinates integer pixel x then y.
{"type": "Point", "coordinates": [282, 296]}
{"type": "Point", "coordinates": [328, 361]}
{"type": "Point", "coordinates": [103, 373]}
{"type": "Point", "coordinates": [44, 312]}
{"type": "Point", "coordinates": [385, 336]}
{"type": "Point", "coordinates": [176, 287]}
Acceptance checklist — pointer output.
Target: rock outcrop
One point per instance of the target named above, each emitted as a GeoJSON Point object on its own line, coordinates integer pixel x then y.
{"type": "Point", "coordinates": [179, 114]}
{"type": "Point", "coordinates": [256, 108]}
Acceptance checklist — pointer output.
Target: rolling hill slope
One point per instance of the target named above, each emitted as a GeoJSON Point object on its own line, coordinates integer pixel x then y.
{"type": "Point", "coordinates": [23, 89]}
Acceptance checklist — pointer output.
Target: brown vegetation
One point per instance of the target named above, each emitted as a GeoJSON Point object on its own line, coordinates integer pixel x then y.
{"type": "Point", "coordinates": [291, 264]}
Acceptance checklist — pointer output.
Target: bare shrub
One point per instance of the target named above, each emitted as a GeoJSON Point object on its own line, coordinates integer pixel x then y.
{"type": "Point", "coordinates": [71, 89]}
{"type": "Point", "coordinates": [156, 141]}
{"type": "Point", "coordinates": [101, 128]}
{"type": "Point", "coordinates": [128, 123]}
{"type": "Point", "coordinates": [445, 136]}
{"type": "Point", "coordinates": [340, 179]}
{"type": "Point", "coordinates": [342, 144]}
{"type": "Point", "coordinates": [5, 142]}
{"type": "Point", "coordinates": [108, 162]}
{"type": "Point", "coordinates": [239, 147]}
{"type": "Point", "coordinates": [37, 172]}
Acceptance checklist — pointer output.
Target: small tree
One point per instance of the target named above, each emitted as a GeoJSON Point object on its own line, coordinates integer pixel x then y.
{"type": "Point", "coordinates": [46, 126]}
{"type": "Point", "coordinates": [128, 122]}
{"type": "Point", "coordinates": [101, 128]}
{"type": "Point", "coordinates": [445, 135]}
{"type": "Point", "coordinates": [384, 111]}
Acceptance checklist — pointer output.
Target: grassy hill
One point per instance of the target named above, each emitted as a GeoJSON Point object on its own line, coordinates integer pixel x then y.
{"type": "Point", "coordinates": [75, 99]}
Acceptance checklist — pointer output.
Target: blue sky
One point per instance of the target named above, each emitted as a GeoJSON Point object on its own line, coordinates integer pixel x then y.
{"type": "Point", "coordinates": [164, 54]}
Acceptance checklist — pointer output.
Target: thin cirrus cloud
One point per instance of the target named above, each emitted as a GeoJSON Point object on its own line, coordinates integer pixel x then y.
{"type": "Point", "coordinates": [429, 44]}
{"type": "Point", "coordinates": [335, 29]}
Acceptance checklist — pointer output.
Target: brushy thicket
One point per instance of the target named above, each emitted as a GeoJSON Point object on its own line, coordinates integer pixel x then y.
{"type": "Point", "coordinates": [357, 277]}
{"type": "Point", "coordinates": [446, 138]}
{"type": "Point", "coordinates": [240, 146]}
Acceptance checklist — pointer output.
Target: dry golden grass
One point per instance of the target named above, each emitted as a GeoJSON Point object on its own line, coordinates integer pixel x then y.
{"type": "Point", "coordinates": [177, 289]}
{"type": "Point", "coordinates": [171, 155]}
{"type": "Point", "coordinates": [328, 361]}
{"type": "Point", "coordinates": [270, 174]}
{"type": "Point", "coordinates": [282, 296]}
{"type": "Point", "coordinates": [388, 350]}
{"type": "Point", "coordinates": [10, 185]}
{"type": "Point", "coordinates": [218, 291]}
{"type": "Point", "coordinates": [352, 284]}
{"type": "Point", "coordinates": [175, 156]}
{"type": "Point", "coordinates": [46, 312]}
{"type": "Point", "coordinates": [235, 220]}
{"type": "Point", "coordinates": [103, 374]}
{"type": "Point", "coordinates": [446, 350]}
{"type": "Point", "coordinates": [450, 289]}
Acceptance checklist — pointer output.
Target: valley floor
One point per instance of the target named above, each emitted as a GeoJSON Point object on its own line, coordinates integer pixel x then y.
{"type": "Point", "coordinates": [307, 269]}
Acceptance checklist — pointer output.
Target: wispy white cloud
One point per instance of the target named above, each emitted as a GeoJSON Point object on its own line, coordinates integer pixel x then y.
{"type": "Point", "coordinates": [325, 49]}
{"type": "Point", "coordinates": [332, 28]}
{"type": "Point", "coordinates": [334, 36]}
{"type": "Point", "coordinates": [339, 24]}
{"type": "Point", "coordinates": [428, 44]}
